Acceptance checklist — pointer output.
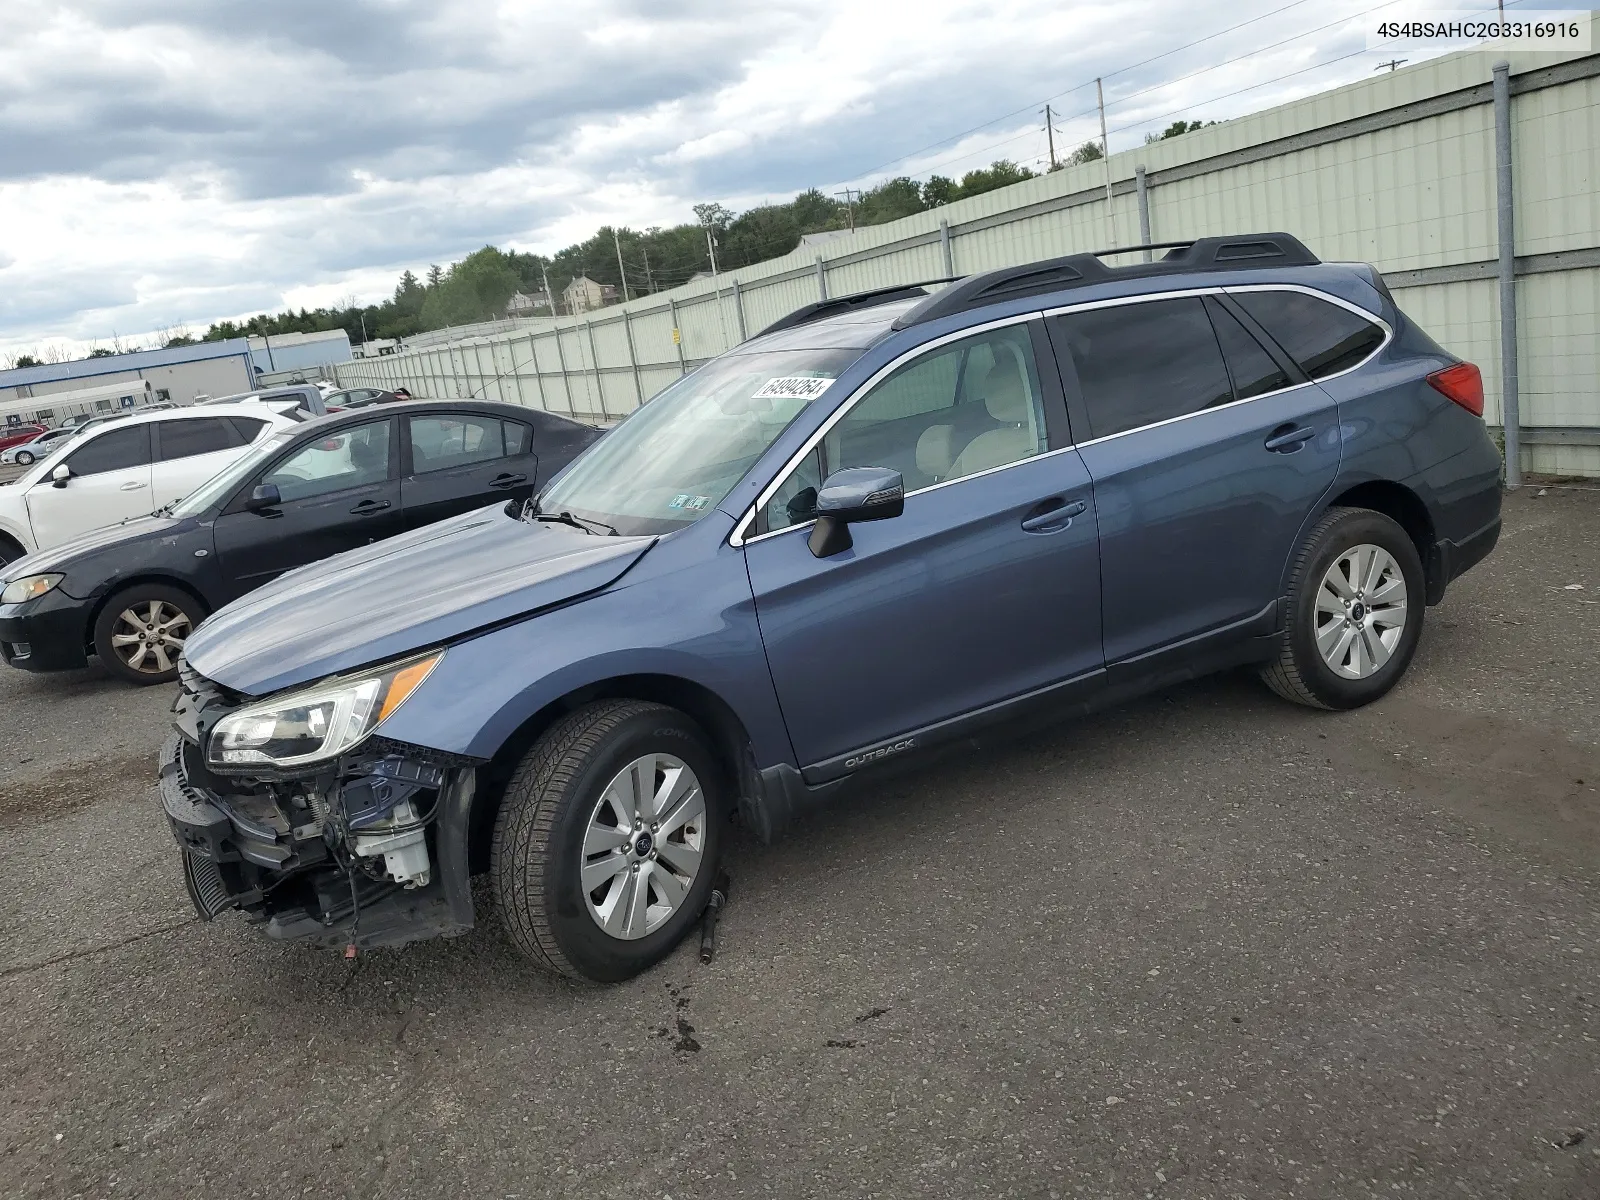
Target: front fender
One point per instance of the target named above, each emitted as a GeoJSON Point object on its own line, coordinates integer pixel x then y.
{"type": "Point", "coordinates": [686, 612]}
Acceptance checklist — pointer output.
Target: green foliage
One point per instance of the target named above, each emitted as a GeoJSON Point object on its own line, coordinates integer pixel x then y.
{"type": "Point", "coordinates": [478, 287]}
{"type": "Point", "coordinates": [100, 352]}
{"type": "Point", "coordinates": [1087, 153]}
{"type": "Point", "coordinates": [1176, 129]}
{"type": "Point", "coordinates": [27, 360]}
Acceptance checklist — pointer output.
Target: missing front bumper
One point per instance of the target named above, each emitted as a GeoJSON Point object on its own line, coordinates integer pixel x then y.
{"type": "Point", "coordinates": [300, 881]}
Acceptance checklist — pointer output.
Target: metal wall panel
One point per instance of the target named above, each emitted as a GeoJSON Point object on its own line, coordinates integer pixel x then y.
{"type": "Point", "coordinates": [1397, 170]}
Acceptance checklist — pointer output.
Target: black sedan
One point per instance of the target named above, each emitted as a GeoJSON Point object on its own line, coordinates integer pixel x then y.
{"type": "Point", "coordinates": [132, 593]}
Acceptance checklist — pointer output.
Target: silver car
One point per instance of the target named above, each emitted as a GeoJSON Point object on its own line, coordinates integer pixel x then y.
{"type": "Point", "coordinates": [25, 454]}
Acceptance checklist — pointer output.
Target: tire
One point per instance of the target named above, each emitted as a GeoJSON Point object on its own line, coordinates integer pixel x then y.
{"type": "Point", "coordinates": [10, 551]}
{"type": "Point", "coordinates": [24, 458]}
{"type": "Point", "coordinates": [1302, 672]}
{"type": "Point", "coordinates": [128, 613]}
{"type": "Point", "coordinates": [554, 823]}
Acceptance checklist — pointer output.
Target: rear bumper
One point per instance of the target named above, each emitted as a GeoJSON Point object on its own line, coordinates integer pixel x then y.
{"type": "Point", "coordinates": [46, 634]}
{"type": "Point", "coordinates": [1452, 559]}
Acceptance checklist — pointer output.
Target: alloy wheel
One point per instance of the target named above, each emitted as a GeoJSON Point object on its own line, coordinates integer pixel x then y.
{"type": "Point", "coordinates": [643, 845]}
{"type": "Point", "coordinates": [1361, 611]}
{"type": "Point", "coordinates": [148, 636]}
{"type": "Point", "coordinates": [24, 459]}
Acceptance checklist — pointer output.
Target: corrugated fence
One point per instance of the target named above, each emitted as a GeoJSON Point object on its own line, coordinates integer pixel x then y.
{"type": "Point", "coordinates": [1398, 170]}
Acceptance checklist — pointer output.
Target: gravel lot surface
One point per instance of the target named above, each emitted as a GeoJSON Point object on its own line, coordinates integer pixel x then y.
{"type": "Point", "coordinates": [1205, 945]}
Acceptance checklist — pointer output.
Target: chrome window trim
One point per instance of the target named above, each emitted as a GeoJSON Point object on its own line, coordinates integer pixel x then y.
{"type": "Point", "coordinates": [738, 536]}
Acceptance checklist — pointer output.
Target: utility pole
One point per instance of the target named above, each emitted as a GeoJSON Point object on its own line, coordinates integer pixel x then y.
{"type": "Point", "coordinates": [1105, 157]}
{"type": "Point", "coordinates": [550, 299]}
{"type": "Point", "coordinates": [1050, 134]}
{"type": "Point", "coordinates": [711, 249]}
{"type": "Point", "coordinates": [616, 241]}
{"type": "Point", "coordinates": [649, 279]}
{"type": "Point", "coordinates": [1391, 64]}
{"type": "Point", "coordinates": [849, 207]}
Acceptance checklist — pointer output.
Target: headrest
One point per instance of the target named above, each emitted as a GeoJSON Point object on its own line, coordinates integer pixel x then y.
{"type": "Point", "coordinates": [1004, 394]}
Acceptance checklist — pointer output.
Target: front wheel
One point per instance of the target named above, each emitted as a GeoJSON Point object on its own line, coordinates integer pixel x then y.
{"type": "Point", "coordinates": [607, 842]}
{"type": "Point", "coordinates": [24, 458]}
{"type": "Point", "coordinates": [141, 631]}
{"type": "Point", "coordinates": [1356, 601]}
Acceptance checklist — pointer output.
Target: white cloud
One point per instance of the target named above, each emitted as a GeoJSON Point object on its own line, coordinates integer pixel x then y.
{"type": "Point", "coordinates": [166, 161]}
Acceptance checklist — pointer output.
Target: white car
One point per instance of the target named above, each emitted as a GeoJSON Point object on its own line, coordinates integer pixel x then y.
{"type": "Point", "coordinates": [126, 468]}
{"type": "Point", "coordinates": [27, 453]}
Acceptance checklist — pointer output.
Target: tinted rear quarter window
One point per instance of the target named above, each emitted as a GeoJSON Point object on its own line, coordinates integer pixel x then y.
{"type": "Point", "coordinates": [113, 450]}
{"type": "Point", "coordinates": [1318, 334]}
{"type": "Point", "coordinates": [1141, 363]}
{"type": "Point", "coordinates": [245, 429]}
{"type": "Point", "coordinates": [1254, 371]}
{"type": "Point", "coordinates": [196, 435]}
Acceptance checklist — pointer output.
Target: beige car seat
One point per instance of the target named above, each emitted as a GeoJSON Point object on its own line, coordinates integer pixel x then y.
{"type": "Point", "coordinates": [1005, 396]}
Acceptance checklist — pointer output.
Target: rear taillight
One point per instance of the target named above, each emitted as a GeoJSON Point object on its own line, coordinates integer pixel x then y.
{"type": "Point", "coordinates": [1462, 383]}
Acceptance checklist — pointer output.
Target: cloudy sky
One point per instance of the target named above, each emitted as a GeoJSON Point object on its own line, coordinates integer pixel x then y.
{"type": "Point", "coordinates": [167, 162]}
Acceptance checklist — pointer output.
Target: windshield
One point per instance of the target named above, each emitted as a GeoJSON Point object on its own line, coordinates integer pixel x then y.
{"type": "Point", "coordinates": [217, 489]}
{"type": "Point", "coordinates": [675, 459]}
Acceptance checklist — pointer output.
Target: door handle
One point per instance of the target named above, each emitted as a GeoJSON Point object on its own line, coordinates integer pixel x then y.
{"type": "Point", "coordinates": [130, 487]}
{"type": "Point", "coordinates": [507, 481]}
{"type": "Point", "coordinates": [1057, 517]}
{"type": "Point", "coordinates": [1287, 438]}
{"type": "Point", "coordinates": [367, 507]}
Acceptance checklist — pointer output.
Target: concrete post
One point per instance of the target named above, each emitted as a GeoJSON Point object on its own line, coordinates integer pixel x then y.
{"type": "Point", "coordinates": [1144, 208]}
{"type": "Point", "coordinates": [633, 359]}
{"type": "Point", "coordinates": [738, 311]}
{"type": "Point", "coordinates": [566, 381]}
{"type": "Point", "coordinates": [677, 336]}
{"type": "Point", "coordinates": [946, 249]}
{"type": "Point", "coordinates": [1510, 402]}
{"type": "Point", "coordinates": [594, 361]}
{"type": "Point", "coordinates": [822, 279]}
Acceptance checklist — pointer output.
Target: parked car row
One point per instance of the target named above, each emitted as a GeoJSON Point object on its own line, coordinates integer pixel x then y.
{"type": "Point", "coordinates": [887, 523]}
{"type": "Point", "coordinates": [286, 494]}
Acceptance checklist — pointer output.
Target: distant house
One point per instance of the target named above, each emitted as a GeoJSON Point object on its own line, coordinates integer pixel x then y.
{"type": "Point", "coordinates": [584, 294]}
{"type": "Point", "coordinates": [521, 305]}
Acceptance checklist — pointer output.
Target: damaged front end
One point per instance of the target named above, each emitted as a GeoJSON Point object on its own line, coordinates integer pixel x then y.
{"type": "Point", "coordinates": [295, 813]}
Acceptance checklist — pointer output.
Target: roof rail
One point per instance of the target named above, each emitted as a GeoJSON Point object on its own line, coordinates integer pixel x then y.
{"type": "Point", "coordinates": [1080, 270]}
{"type": "Point", "coordinates": [820, 309]}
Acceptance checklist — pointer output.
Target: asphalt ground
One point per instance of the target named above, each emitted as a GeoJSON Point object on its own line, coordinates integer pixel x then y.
{"type": "Point", "coordinates": [1205, 945]}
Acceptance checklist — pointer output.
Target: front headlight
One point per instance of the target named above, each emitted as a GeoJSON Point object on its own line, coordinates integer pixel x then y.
{"type": "Point", "coordinates": [316, 723]}
{"type": "Point", "coordinates": [28, 587]}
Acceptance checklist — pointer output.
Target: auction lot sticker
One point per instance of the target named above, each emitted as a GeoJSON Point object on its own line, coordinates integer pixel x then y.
{"type": "Point", "coordinates": [792, 387]}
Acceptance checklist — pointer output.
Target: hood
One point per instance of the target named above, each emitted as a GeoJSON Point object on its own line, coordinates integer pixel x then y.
{"type": "Point", "coordinates": [69, 554]}
{"type": "Point", "coordinates": [410, 592]}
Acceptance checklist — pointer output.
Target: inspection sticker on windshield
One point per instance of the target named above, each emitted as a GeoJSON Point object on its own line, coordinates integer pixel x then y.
{"type": "Point", "coordinates": [792, 387]}
{"type": "Point", "coordinates": [692, 503]}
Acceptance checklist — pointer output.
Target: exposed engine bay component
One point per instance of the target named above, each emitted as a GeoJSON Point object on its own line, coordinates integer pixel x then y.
{"type": "Point", "coordinates": [403, 844]}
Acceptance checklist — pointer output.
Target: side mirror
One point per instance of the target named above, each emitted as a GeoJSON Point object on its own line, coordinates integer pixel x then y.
{"type": "Point", "coordinates": [854, 494]}
{"type": "Point", "coordinates": [266, 495]}
{"type": "Point", "coordinates": [60, 475]}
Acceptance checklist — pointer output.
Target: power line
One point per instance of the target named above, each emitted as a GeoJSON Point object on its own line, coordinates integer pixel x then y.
{"type": "Point", "coordinates": [1170, 82]}
{"type": "Point", "coordinates": [1056, 96]}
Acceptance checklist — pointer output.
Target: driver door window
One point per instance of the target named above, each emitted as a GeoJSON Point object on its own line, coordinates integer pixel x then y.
{"type": "Point", "coordinates": [965, 407]}
{"type": "Point", "coordinates": [346, 459]}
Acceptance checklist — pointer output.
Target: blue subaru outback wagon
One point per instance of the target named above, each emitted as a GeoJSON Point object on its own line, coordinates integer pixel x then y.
{"type": "Point", "coordinates": [887, 522]}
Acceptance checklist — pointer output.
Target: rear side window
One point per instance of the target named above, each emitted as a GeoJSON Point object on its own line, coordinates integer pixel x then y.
{"type": "Point", "coordinates": [1321, 336]}
{"type": "Point", "coordinates": [246, 429]}
{"type": "Point", "coordinates": [440, 443]}
{"type": "Point", "coordinates": [1254, 371]}
{"type": "Point", "coordinates": [197, 435]}
{"type": "Point", "coordinates": [113, 450]}
{"type": "Point", "coordinates": [1138, 364]}
{"type": "Point", "coordinates": [517, 437]}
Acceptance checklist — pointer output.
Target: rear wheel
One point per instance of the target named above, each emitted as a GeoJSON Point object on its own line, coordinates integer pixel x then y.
{"type": "Point", "coordinates": [1355, 612]}
{"type": "Point", "coordinates": [607, 841]}
{"type": "Point", "coordinates": [10, 551]}
{"type": "Point", "coordinates": [141, 631]}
